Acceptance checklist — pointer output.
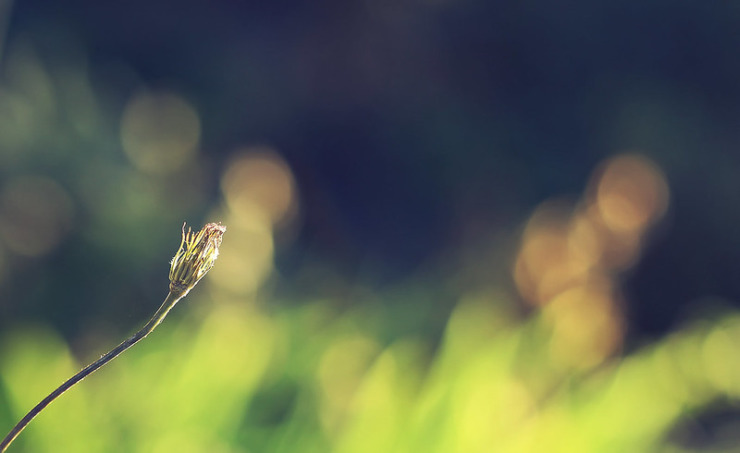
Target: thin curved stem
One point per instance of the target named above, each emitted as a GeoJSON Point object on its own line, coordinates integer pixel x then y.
{"type": "Point", "coordinates": [172, 298]}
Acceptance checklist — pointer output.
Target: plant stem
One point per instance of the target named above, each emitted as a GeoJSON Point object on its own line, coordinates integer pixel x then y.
{"type": "Point", "coordinates": [172, 298]}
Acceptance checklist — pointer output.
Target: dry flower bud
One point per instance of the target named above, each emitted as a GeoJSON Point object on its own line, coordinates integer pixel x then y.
{"type": "Point", "coordinates": [196, 256]}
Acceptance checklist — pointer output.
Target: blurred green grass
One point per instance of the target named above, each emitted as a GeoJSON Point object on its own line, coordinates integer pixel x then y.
{"type": "Point", "coordinates": [307, 379]}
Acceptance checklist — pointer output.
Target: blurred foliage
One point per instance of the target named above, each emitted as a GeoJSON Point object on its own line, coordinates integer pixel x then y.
{"type": "Point", "coordinates": [99, 168]}
{"type": "Point", "coordinates": [310, 379]}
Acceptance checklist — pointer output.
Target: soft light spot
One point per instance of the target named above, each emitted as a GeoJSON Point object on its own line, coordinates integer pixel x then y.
{"type": "Point", "coordinates": [259, 177]}
{"type": "Point", "coordinates": [631, 193]}
{"type": "Point", "coordinates": [620, 250]}
{"type": "Point", "coordinates": [554, 256]}
{"type": "Point", "coordinates": [583, 241]}
{"type": "Point", "coordinates": [35, 214]}
{"type": "Point", "coordinates": [246, 259]}
{"type": "Point", "coordinates": [586, 327]}
{"type": "Point", "coordinates": [160, 132]}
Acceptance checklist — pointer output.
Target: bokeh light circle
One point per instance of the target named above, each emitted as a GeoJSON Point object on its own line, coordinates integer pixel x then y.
{"type": "Point", "coordinates": [259, 178]}
{"type": "Point", "coordinates": [631, 193]}
{"type": "Point", "coordinates": [160, 132]}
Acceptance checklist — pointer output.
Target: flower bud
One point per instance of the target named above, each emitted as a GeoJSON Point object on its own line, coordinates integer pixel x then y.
{"type": "Point", "coordinates": [196, 256]}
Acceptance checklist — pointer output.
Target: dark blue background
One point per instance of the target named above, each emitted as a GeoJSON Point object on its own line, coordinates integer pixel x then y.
{"type": "Point", "coordinates": [409, 123]}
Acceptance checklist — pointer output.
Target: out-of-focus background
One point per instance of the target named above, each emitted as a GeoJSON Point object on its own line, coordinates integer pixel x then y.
{"type": "Point", "coordinates": [453, 225]}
